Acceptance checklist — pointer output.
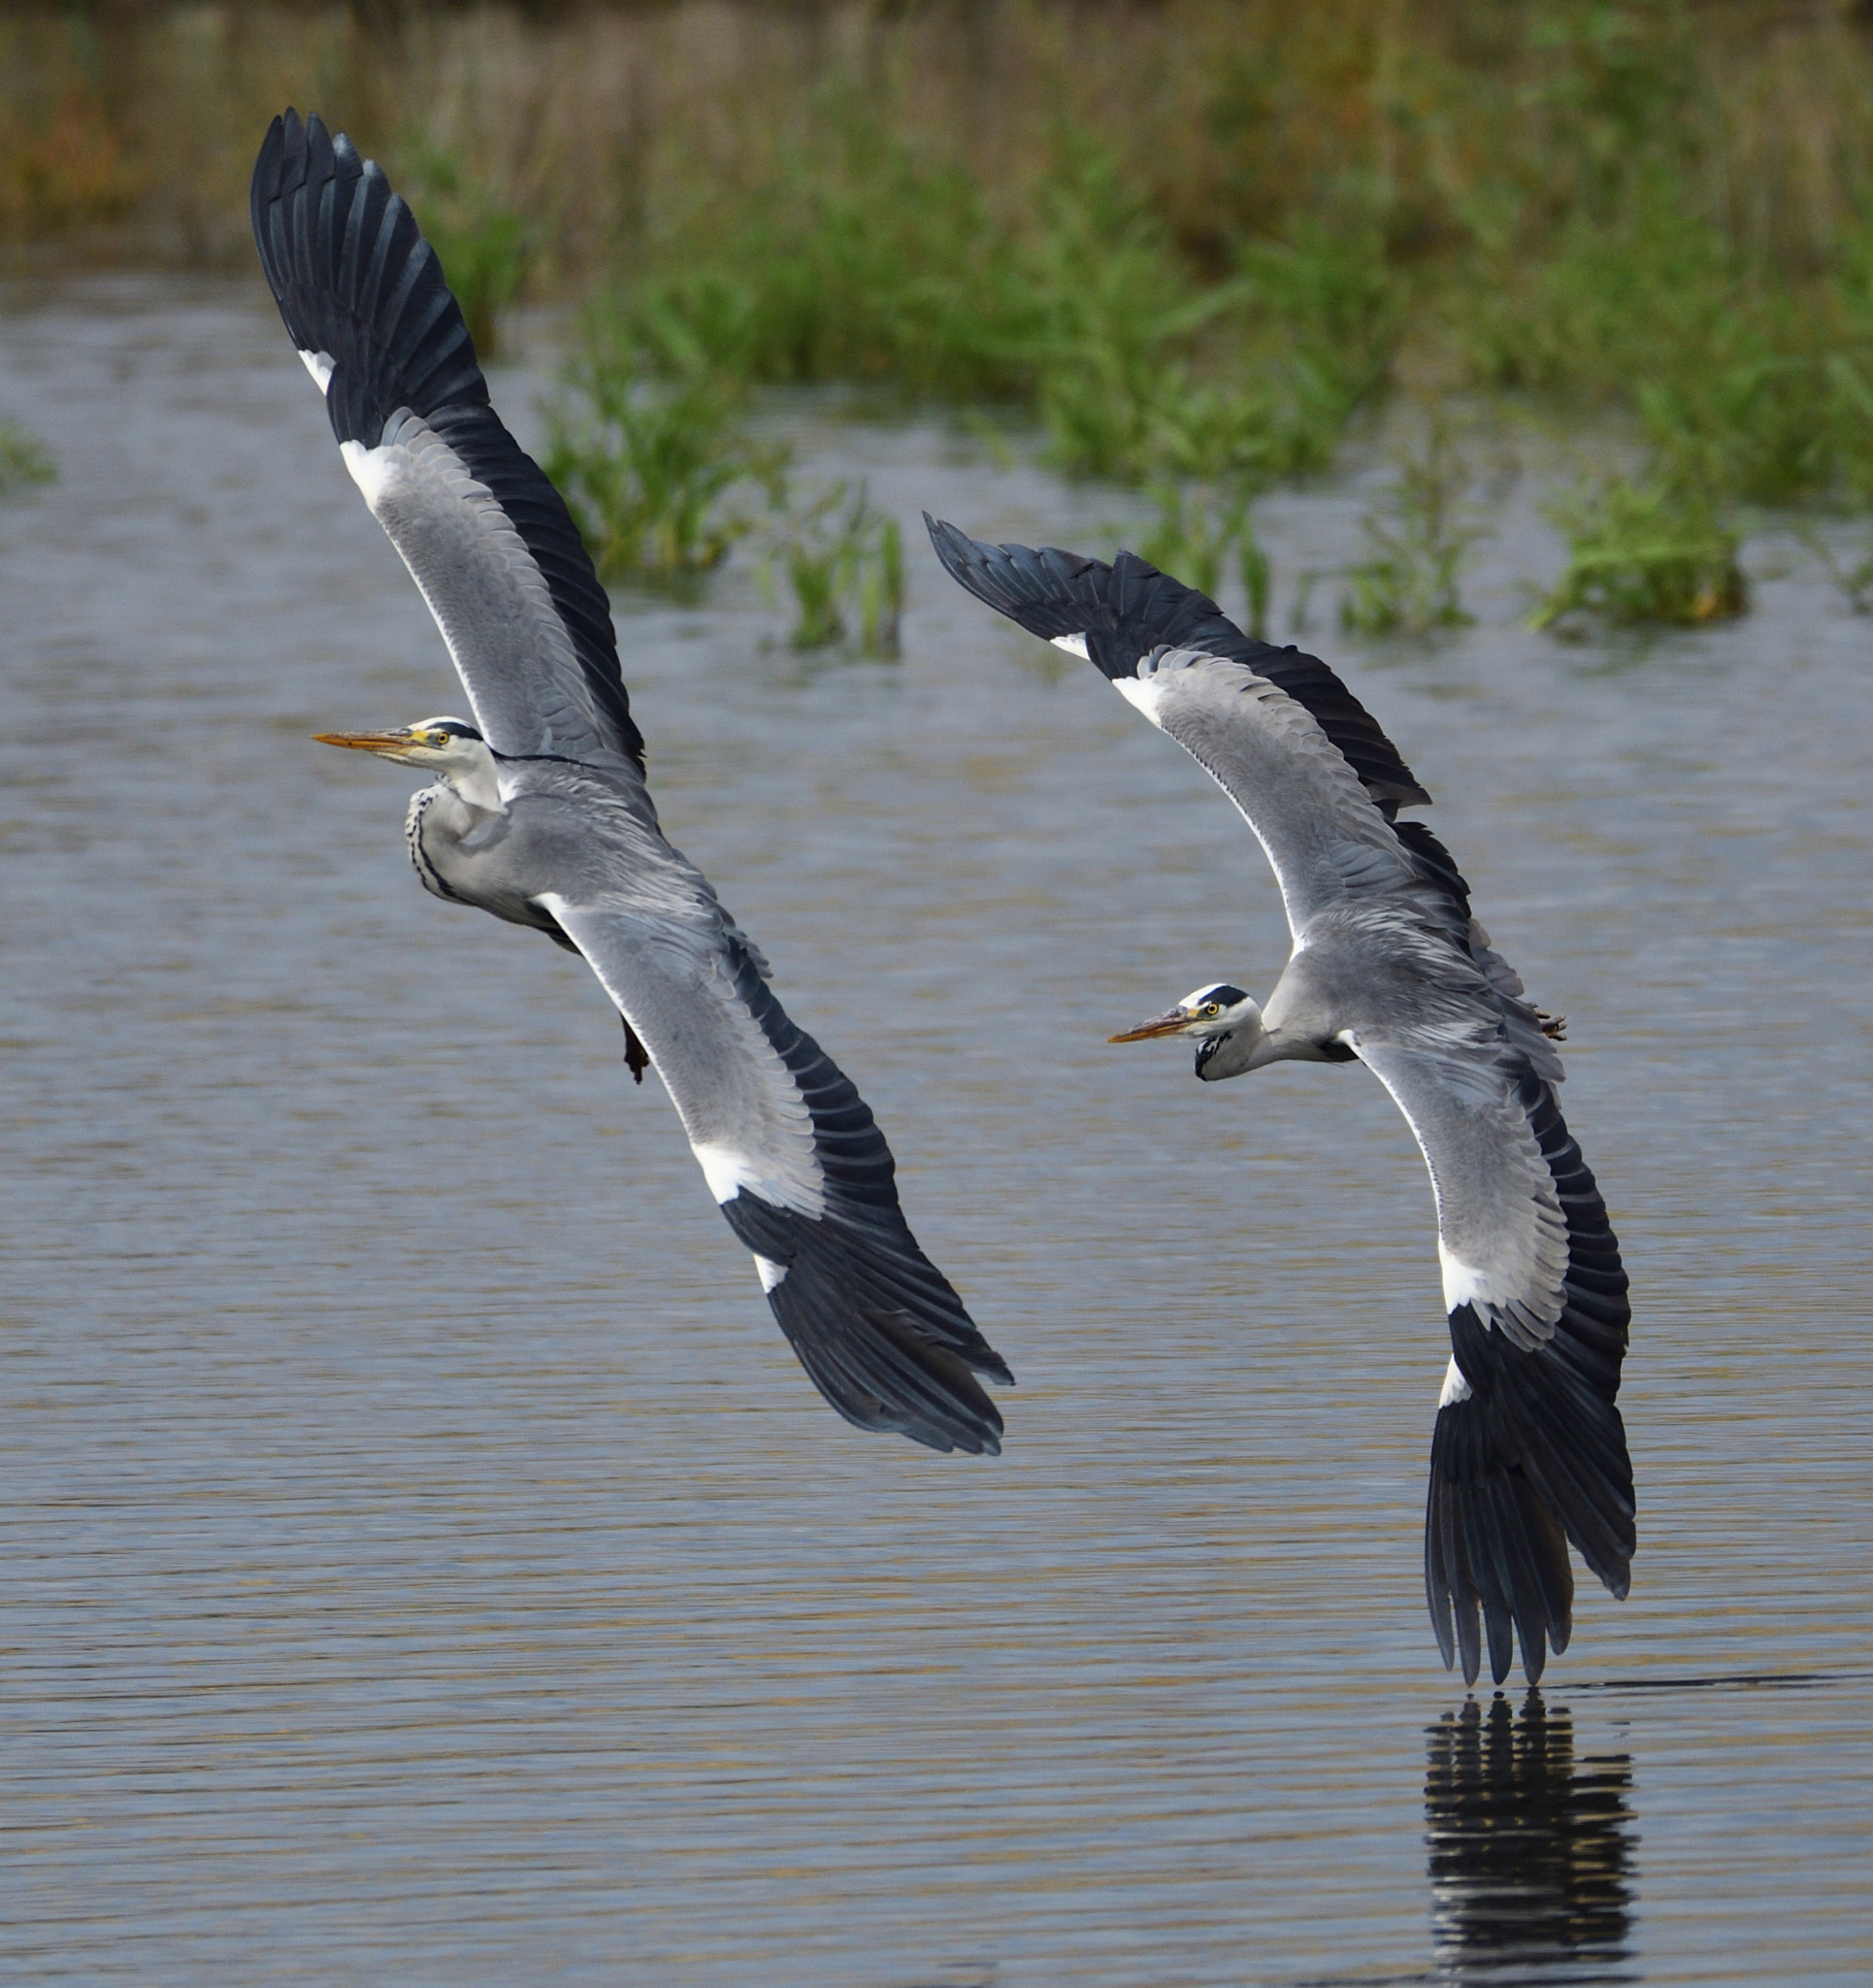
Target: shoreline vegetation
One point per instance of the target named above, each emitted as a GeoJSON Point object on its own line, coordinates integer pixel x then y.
{"type": "Point", "coordinates": [1193, 242]}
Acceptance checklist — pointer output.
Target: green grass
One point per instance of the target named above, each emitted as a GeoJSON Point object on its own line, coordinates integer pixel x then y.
{"type": "Point", "coordinates": [1644, 550]}
{"type": "Point", "coordinates": [844, 565]}
{"type": "Point", "coordinates": [651, 453]}
{"type": "Point", "coordinates": [24, 460]}
{"type": "Point", "coordinates": [1417, 534]}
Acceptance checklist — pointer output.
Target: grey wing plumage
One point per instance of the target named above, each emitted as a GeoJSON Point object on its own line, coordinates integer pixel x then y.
{"type": "Point", "coordinates": [1118, 613]}
{"type": "Point", "coordinates": [479, 525]}
{"type": "Point", "coordinates": [1319, 827]}
{"type": "Point", "coordinates": [802, 1174]}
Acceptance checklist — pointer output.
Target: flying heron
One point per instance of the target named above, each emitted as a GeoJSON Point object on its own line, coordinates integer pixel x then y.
{"type": "Point", "coordinates": [1390, 968]}
{"type": "Point", "coordinates": [539, 811]}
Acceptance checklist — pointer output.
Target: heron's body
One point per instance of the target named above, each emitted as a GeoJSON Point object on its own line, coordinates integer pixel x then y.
{"type": "Point", "coordinates": [1390, 968]}
{"type": "Point", "coordinates": [538, 810]}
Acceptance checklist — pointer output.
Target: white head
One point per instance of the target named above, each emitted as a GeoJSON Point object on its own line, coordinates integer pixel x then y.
{"type": "Point", "coordinates": [1224, 1022]}
{"type": "Point", "coordinates": [450, 748]}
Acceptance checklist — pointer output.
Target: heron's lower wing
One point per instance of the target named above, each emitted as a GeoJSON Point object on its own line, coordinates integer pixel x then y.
{"type": "Point", "coordinates": [1118, 613]}
{"type": "Point", "coordinates": [479, 525]}
{"type": "Point", "coordinates": [1529, 1450]}
{"type": "Point", "coordinates": [803, 1177]}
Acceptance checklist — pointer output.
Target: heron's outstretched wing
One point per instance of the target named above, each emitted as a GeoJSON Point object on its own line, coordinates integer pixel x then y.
{"type": "Point", "coordinates": [1320, 828]}
{"type": "Point", "coordinates": [1529, 1449]}
{"type": "Point", "coordinates": [480, 528]}
{"type": "Point", "coordinates": [803, 1173]}
{"type": "Point", "coordinates": [1116, 614]}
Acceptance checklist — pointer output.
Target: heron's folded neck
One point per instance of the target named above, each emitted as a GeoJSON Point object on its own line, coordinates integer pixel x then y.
{"type": "Point", "coordinates": [1243, 1045]}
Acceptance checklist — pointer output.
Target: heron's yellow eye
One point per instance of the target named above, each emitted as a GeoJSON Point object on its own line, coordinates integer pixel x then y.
{"type": "Point", "coordinates": [1213, 1008]}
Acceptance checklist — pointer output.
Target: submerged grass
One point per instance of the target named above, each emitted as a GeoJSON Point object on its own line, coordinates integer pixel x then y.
{"type": "Point", "coordinates": [1658, 207]}
{"type": "Point", "coordinates": [1644, 550]}
{"type": "Point", "coordinates": [844, 565]}
{"type": "Point", "coordinates": [650, 451]}
{"type": "Point", "coordinates": [24, 460]}
{"type": "Point", "coordinates": [1417, 534]}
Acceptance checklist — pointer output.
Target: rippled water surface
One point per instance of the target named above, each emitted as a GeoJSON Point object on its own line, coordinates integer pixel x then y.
{"type": "Point", "coordinates": [423, 1560]}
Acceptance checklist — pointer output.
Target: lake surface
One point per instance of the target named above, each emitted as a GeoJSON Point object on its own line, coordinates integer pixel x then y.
{"type": "Point", "coordinates": [423, 1560]}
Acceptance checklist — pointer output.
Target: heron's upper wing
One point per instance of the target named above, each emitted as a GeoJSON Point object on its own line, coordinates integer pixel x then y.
{"type": "Point", "coordinates": [480, 528]}
{"type": "Point", "coordinates": [803, 1173]}
{"type": "Point", "coordinates": [1529, 1449]}
{"type": "Point", "coordinates": [1116, 614]}
{"type": "Point", "coordinates": [1319, 827]}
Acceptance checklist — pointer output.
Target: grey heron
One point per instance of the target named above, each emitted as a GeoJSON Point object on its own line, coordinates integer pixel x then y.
{"type": "Point", "coordinates": [538, 810]}
{"type": "Point", "coordinates": [1388, 968]}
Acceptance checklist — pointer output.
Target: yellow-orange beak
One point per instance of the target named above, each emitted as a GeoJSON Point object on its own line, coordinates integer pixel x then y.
{"type": "Point", "coordinates": [393, 745]}
{"type": "Point", "coordinates": [1174, 1023]}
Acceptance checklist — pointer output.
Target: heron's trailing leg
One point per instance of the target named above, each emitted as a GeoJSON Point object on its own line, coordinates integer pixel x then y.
{"type": "Point", "coordinates": [1552, 1026]}
{"type": "Point", "coordinates": [637, 1058]}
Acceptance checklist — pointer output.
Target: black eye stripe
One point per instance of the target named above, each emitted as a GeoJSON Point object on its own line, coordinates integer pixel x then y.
{"type": "Point", "coordinates": [1225, 996]}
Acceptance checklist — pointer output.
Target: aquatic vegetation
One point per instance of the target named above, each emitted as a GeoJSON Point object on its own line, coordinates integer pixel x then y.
{"type": "Point", "coordinates": [1416, 532]}
{"type": "Point", "coordinates": [1642, 207]}
{"type": "Point", "coordinates": [844, 564]}
{"type": "Point", "coordinates": [1197, 528]}
{"type": "Point", "coordinates": [648, 459]}
{"type": "Point", "coordinates": [24, 459]}
{"type": "Point", "coordinates": [1645, 549]}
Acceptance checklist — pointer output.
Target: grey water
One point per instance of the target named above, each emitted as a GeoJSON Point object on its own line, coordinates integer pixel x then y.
{"type": "Point", "coordinates": [423, 1560]}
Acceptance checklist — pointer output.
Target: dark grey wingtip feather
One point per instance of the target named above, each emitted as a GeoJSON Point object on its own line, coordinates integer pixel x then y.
{"type": "Point", "coordinates": [877, 1327]}
{"type": "Point", "coordinates": [353, 278]}
{"type": "Point", "coordinates": [1130, 608]}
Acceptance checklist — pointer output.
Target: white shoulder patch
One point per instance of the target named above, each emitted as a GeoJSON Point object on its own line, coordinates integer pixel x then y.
{"type": "Point", "coordinates": [1463, 1285]}
{"type": "Point", "coordinates": [321, 366]}
{"type": "Point", "coordinates": [373, 469]}
{"type": "Point", "coordinates": [727, 1172]}
{"type": "Point", "coordinates": [769, 1271]}
{"type": "Point", "coordinates": [1456, 1387]}
{"type": "Point", "coordinates": [1143, 694]}
{"type": "Point", "coordinates": [1073, 644]}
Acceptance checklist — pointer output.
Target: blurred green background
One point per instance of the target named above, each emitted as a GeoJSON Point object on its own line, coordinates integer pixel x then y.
{"type": "Point", "coordinates": [1191, 243]}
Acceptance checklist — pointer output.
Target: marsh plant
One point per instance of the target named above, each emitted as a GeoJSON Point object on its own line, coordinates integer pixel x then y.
{"type": "Point", "coordinates": [1644, 550]}
{"type": "Point", "coordinates": [1417, 535]}
{"type": "Point", "coordinates": [657, 466]}
{"type": "Point", "coordinates": [1197, 530]}
{"type": "Point", "coordinates": [844, 561]}
{"type": "Point", "coordinates": [24, 460]}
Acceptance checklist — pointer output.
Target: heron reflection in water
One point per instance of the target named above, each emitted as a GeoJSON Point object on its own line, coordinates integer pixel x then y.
{"type": "Point", "coordinates": [1530, 1850]}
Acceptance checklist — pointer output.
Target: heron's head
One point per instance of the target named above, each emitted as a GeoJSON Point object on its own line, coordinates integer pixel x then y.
{"type": "Point", "coordinates": [452, 748]}
{"type": "Point", "coordinates": [1224, 1022]}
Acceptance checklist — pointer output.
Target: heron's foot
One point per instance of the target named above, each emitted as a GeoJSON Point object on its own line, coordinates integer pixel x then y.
{"type": "Point", "coordinates": [1552, 1026]}
{"type": "Point", "coordinates": [637, 1058]}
